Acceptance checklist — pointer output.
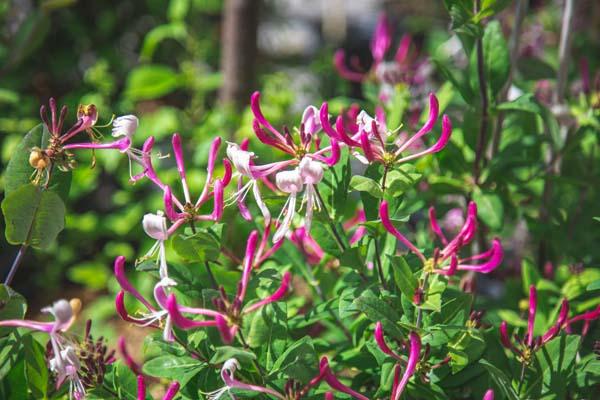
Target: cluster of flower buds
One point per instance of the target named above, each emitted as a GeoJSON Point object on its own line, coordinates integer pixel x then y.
{"type": "Point", "coordinates": [403, 68]}
{"type": "Point", "coordinates": [64, 361]}
{"type": "Point", "coordinates": [525, 347]}
{"type": "Point", "coordinates": [446, 261]}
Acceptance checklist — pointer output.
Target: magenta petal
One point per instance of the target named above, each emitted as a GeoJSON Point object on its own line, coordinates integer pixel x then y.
{"type": "Point", "coordinates": [119, 268]}
{"type": "Point", "coordinates": [380, 340]}
{"type": "Point", "coordinates": [212, 156]}
{"type": "Point", "coordinates": [127, 359]}
{"type": "Point", "coordinates": [171, 391]}
{"type": "Point", "coordinates": [403, 48]}
{"type": "Point", "coordinates": [433, 223]}
{"type": "Point", "coordinates": [339, 61]}
{"type": "Point", "coordinates": [560, 321]}
{"type": "Point", "coordinates": [504, 338]}
{"type": "Point", "coordinates": [489, 395]}
{"type": "Point", "coordinates": [366, 145]}
{"type": "Point", "coordinates": [276, 296]}
{"type": "Point", "coordinates": [255, 107]}
{"type": "Point", "coordinates": [413, 359]}
{"type": "Point", "coordinates": [179, 320]}
{"type": "Point", "coordinates": [141, 387]}
{"type": "Point", "coordinates": [228, 172]}
{"type": "Point", "coordinates": [382, 38]}
{"type": "Point", "coordinates": [532, 311]}
{"type": "Point", "coordinates": [334, 383]}
{"type": "Point", "coordinates": [224, 330]}
{"type": "Point", "coordinates": [122, 145]}
{"type": "Point", "coordinates": [168, 201]}
{"type": "Point", "coordinates": [177, 149]}
{"type": "Point", "coordinates": [387, 224]}
{"type": "Point", "coordinates": [247, 268]}
{"type": "Point", "coordinates": [444, 138]}
{"type": "Point", "coordinates": [324, 117]}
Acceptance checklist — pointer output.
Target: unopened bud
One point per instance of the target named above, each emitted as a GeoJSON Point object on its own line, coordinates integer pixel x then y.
{"type": "Point", "coordinates": [75, 305]}
{"type": "Point", "coordinates": [37, 159]}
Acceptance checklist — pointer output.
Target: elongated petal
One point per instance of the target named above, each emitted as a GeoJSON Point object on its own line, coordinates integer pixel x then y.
{"type": "Point", "coordinates": [218, 201]}
{"type": "Point", "coordinates": [451, 270]}
{"type": "Point", "coordinates": [504, 338]}
{"type": "Point", "coordinates": [494, 258]}
{"type": "Point", "coordinates": [324, 118]}
{"type": "Point", "coordinates": [178, 150]}
{"type": "Point", "coordinates": [339, 61]}
{"type": "Point", "coordinates": [413, 359]}
{"type": "Point", "coordinates": [47, 327]}
{"type": "Point", "coordinates": [489, 395]}
{"type": "Point", "coordinates": [119, 268]}
{"type": "Point", "coordinates": [334, 383]}
{"type": "Point", "coordinates": [588, 316]}
{"type": "Point", "coordinates": [181, 321]}
{"type": "Point", "coordinates": [122, 145]}
{"type": "Point", "coordinates": [127, 359]}
{"type": "Point", "coordinates": [366, 145]}
{"type": "Point", "coordinates": [560, 321]}
{"type": "Point", "coordinates": [255, 107]}
{"type": "Point", "coordinates": [228, 172]}
{"type": "Point", "coordinates": [171, 391]}
{"type": "Point", "coordinates": [224, 330]}
{"type": "Point", "coordinates": [122, 311]}
{"type": "Point", "coordinates": [427, 127]}
{"type": "Point", "coordinates": [433, 223]}
{"type": "Point", "coordinates": [141, 387]}
{"type": "Point", "coordinates": [247, 267]}
{"type": "Point", "coordinates": [382, 38]}
{"type": "Point", "coordinates": [403, 48]}
{"type": "Point", "coordinates": [334, 157]}
{"type": "Point", "coordinates": [276, 296]}
{"type": "Point", "coordinates": [380, 340]}
{"type": "Point", "coordinates": [168, 201]}
{"type": "Point", "coordinates": [387, 224]}
{"type": "Point", "coordinates": [532, 311]}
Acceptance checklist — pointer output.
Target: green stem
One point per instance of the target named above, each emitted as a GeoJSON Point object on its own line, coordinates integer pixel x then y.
{"type": "Point", "coordinates": [483, 127]}
{"type": "Point", "coordinates": [336, 234]}
{"type": "Point", "coordinates": [379, 265]}
{"type": "Point", "coordinates": [213, 281]}
{"type": "Point", "coordinates": [420, 310]}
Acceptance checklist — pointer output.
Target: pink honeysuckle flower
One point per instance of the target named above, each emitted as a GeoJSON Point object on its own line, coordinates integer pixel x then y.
{"type": "Point", "coordinates": [414, 355]}
{"type": "Point", "coordinates": [156, 317]}
{"type": "Point", "coordinates": [229, 314]}
{"type": "Point", "coordinates": [327, 375]}
{"type": "Point", "coordinates": [307, 245]}
{"type": "Point", "coordinates": [446, 261]}
{"type": "Point", "coordinates": [401, 69]}
{"type": "Point", "coordinates": [525, 347]}
{"type": "Point", "coordinates": [228, 376]}
{"type": "Point", "coordinates": [353, 222]}
{"type": "Point", "coordinates": [372, 136]}
{"type": "Point", "coordinates": [87, 115]}
{"type": "Point", "coordinates": [64, 362]}
{"type": "Point", "coordinates": [489, 395]}
{"type": "Point", "coordinates": [587, 317]}
{"type": "Point", "coordinates": [141, 389]}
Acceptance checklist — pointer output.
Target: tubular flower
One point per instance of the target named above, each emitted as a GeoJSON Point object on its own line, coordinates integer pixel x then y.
{"type": "Point", "coordinates": [228, 376]}
{"type": "Point", "coordinates": [307, 245]}
{"type": "Point", "coordinates": [414, 354]}
{"type": "Point", "coordinates": [64, 362]}
{"type": "Point", "coordinates": [373, 138]}
{"type": "Point", "coordinates": [230, 313]}
{"type": "Point", "coordinates": [401, 69]}
{"type": "Point", "coordinates": [141, 389]}
{"type": "Point", "coordinates": [446, 261]}
{"type": "Point", "coordinates": [155, 317]}
{"type": "Point", "coordinates": [189, 211]}
{"type": "Point", "coordinates": [155, 226]}
{"type": "Point", "coordinates": [489, 395]}
{"type": "Point", "coordinates": [525, 347]}
{"type": "Point", "coordinates": [306, 157]}
{"type": "Point", "coordinates": [327, 375]}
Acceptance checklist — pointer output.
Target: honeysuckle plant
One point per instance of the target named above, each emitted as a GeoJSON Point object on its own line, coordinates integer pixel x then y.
{"type": "Point", "coordinates": [362, 251]}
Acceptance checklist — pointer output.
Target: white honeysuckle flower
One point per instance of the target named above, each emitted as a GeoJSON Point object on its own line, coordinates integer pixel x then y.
{"type": "Point", "coordinates": [289, 182]}
{"type": "Point", "coordinates": [155, 226]}
{"type": "Point", "coordinates": [125, 125]}
{"type": "Point", "coordinates": [61, 310]}
{"type": "Point", "coordinates": [240, 159]}
{"type": "Point", "coordinates": [311, 120]}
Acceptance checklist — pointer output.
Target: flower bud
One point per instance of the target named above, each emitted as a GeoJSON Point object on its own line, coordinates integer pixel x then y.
{"type": "Point", "coordinates": [125, 126]}
{"type": "Point", "coordinates": [61, 310]}
{"type": "Point", "coordinates": [75, 304]}
{"type": "Point", "coordinates": [311, 171]}
{"type": "Point", "coordinates": [289, 181]}
{"type": "Point", "coordinates": [38, 159]}
{"type": "Point", "coordinates": [155, 226]}
{"type": "Point", "coordinates": [240, 159]}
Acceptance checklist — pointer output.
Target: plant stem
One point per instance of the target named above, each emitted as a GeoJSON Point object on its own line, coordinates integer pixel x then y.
{"type": "Point", "coordinates": [379, 266]}
{"type": "Point", "coordinates": [336, 234]}
{"type": "Point", "coordinates": [521, 379]}
{"type": "Point", "coordinates": [483, 127]}
{"type": "Point", "coordinates": [213, 281]}
{"type": "Point", "coordinates": [521, 11]}
{"type": "Point", "coordinates": [564, 51]}
{"type": "Point", "coordinates": [420, 310]}
{"type": "Point", "coordinates": [15, 265]}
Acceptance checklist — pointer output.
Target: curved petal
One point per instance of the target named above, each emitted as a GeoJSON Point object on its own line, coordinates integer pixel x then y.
{"type": "Point", "coordinates": [276, 296]}
{"type": "Point", "coordinates": [119, 268]}
{"type": "Point", "coordinates": [413, 358]}
{"type": "Point", "coordinates": [387, 224]}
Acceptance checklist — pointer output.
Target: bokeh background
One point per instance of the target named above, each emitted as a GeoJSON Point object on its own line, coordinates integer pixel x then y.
{"type": "Point", "coordinates": [177, 67]}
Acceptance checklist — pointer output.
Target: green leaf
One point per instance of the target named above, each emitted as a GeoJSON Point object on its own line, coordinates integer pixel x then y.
{"type": "Point", "coordinates": [529, 274]}
{"type": "Point", "coordinates": [594, 285]}
{"type": "Point", "coordinates": [180, 368]}
{"type": "Point", "coordinates": [124, 382]}
{"type": "Point", "coordinates": [526, 102]}
{"type": "Point", "coordinates": [501, 380]}
{"type": "Point", "coordinates": [556, 361]}
{"type": "Point", "coordinates": [496, 59]}
{"type": "Point", "coordinates": [203, 246]}
{"type": "Point", "coordinates": [378, 310]}
{"type": "Point", "coordinates": [36, 370]}
{"type": "Point", "coordinates": [33, 216]}
{"type": "Point", "coordinates": [299, 361]}
{"type": "Point", "coordinates": [148, 82]}
{"type": "Point", "coordinates": [401, 179]}
{"type": "Point", "coordinates": [224, 353]}
{"type": "Point", "coordinates": [176, 31]}
{"type": "Point", "coordinates": [489, 208]}
{"type": "Point", "coordinates": [268, 332]}
{"type": "Point", "coordinates": [403, 276]}
{"type": "Point", "coordinates": [364, 184]}
{"type": "Point", "coordinates": [19, 171]}
{"type": "Point", "coordinates": [178, 9]}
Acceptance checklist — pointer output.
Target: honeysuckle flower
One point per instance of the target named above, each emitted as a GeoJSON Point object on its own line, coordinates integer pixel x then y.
{"type": "Point", "coordinates": [230, 313]}
{"type": "Point", "coordinates": [414, 354]}
{"type": "Point", "coordinates": [446, 261]}
{"type": "Point", "coordinates": [64, 362]}
{"type": "Point", "coordinates": [489, 395]}
{"type": "Point", "coordinates": [525, 347]}
{"type": "Point", "coordinates": [401, 69]}
{"type": "Point", "coordinates": [228, 376]}
{"type": "Point", "coordinates": [156, 317]}
{"type": "Point", "coordinates": [354, 222]}
{"type": "Point", "coordinates": [307, 245]}
{"type": "Point", "coordinates": [169, 395]}
{"type": "Point", "coordinates": [372, 136]}
{"type": "Point", "coordinates": [155, 226]}
{"type": "Point", "coordinates": [587, 317]}
{"type": "Point", "coordinates": [327, 375]}
{"type": "Point", "coordinates": [127, 359]}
